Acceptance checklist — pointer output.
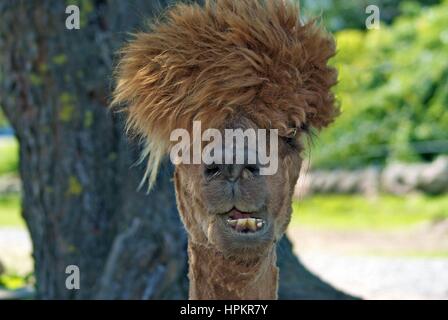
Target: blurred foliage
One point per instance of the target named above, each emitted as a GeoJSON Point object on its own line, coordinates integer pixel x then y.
{"type": "Point", "coordinates": [11, 281]}
{"type": "Point", "coordinates": [10, 213]}
{"type": "Point", "coordinates": [3, 121]}
{"type": "Point", "coordinates": [356, 212]}
{"type": "Point", "coordinates": [14, 281]}
{"type": "Point", "coordinates": [338, 15]}
{"type": "Point", "coordinates": [9, 160]}
{"type": "Point", "coordinates": [393, 91]}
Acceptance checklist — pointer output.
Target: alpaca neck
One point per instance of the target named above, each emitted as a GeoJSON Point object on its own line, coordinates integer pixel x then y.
{"type": "Point", "coordinates": [214, 276]}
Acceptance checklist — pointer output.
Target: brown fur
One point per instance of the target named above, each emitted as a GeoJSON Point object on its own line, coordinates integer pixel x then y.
{"type": "Point", "coordinates": [231, 63]}
{"type": "Point", "coordinates": [206, 63]}
{"type": "Point", "coordinates": [222, 266]}
{"type": "Point", "coordinates": [231, 278]}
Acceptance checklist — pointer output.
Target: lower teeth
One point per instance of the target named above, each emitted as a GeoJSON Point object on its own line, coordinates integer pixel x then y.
{"type": "Point", "coordinates": [246, 224]}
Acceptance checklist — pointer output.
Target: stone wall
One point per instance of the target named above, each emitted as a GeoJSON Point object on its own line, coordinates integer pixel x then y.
{"type": "Point", "coordinates": [396, 178]}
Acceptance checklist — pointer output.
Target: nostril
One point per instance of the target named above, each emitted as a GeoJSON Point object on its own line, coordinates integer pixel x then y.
{"type": "Point", "coordinates": [212, 170]}
{"type": "Point", "coordinates": [253, 168]}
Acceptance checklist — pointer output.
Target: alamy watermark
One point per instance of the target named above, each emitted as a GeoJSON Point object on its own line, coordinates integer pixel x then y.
{"type": "Point", "coordinates": [235, 146]}
{"type": "Point", "coordinates": [373, 20]}
{"type": "Point", "coordinates": [72, 282]}
{"type": "Point", "coordinates": [73, 19]}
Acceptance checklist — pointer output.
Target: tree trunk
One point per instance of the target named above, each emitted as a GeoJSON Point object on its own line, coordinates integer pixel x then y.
{"type": "Point", "coordinates": [78, 169]}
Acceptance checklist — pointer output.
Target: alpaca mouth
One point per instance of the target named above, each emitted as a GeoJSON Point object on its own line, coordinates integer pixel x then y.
{"type": "Point", "coordinates": [244, 222]}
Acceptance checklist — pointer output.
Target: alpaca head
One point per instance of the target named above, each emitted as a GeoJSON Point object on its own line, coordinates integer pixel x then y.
{"type": "Point", "coordinates": [247, 64]}
{"type": "Point", "coordinates": [233, 206]}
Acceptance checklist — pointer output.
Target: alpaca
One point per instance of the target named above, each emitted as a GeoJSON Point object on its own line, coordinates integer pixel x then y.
{"type": "Point", "coordinates": [229, 64]}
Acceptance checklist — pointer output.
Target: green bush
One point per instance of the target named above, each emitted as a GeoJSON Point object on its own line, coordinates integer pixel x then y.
{"type": "Point", "coordinates": [338, 15]}
{"type": "Point", "coordinates": [393, 91]}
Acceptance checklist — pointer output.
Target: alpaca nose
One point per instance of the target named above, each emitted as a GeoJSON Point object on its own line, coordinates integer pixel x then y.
{"type": "Point", "coordinates": [233, 172]}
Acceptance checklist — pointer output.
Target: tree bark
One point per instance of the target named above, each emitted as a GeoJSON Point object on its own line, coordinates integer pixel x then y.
{"type": "Point", "coordinates": [78, 169]}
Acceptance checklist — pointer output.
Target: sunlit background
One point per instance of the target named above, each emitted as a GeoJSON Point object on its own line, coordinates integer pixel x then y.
{"type": "Point", "coordinates": [371, 208]}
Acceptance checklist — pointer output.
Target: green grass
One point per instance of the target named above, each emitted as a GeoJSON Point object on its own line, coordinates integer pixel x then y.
{"type": "Point", "coordinates": [9, 156]}
{"type": "Point", "coordinates": [10, 211]}
{"type": "Point", "coordinates": [359, 213]}
{"type": "Point", "coordinates": [9, 204]}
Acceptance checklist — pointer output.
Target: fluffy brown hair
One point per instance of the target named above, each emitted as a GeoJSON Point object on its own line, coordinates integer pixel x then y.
{"type": "Point", "coordinates": [206, 63]}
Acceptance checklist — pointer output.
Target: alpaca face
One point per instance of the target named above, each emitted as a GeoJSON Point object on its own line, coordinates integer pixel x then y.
{"type": "Point", "coordinates": [206, 63]}
{"type": "Point", "coordinates": [235, 208]}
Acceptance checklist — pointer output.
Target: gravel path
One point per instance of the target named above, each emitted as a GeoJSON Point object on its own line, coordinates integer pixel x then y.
{"type": "Point", "coordinates": [379, 264]}
{"type": "Point", "coordinates": [381, 277]}
{"type": "Point", "coordinates": [15, 250]}
{"type": "Point", "coordinates": [369, 277]}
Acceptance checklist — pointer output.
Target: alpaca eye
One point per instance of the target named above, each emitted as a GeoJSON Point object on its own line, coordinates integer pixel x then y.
{"type": "Point", "coordinates": [292, 133]}
{"type": "Point", "coordinates": [290, 137]}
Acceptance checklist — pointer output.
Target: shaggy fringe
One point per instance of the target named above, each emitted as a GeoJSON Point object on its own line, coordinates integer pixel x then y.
{"type": "Point", "coordinates": [207, 63]}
